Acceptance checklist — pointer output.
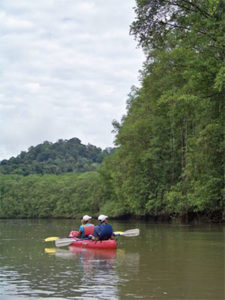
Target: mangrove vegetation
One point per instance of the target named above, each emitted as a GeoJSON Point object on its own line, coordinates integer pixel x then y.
{"type": "Point", "coordinates": [170, 146]}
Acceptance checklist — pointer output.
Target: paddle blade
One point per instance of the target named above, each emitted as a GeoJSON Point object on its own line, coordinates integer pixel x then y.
{"type": "Point", "coordinates": [117, 232]}
{"type": "Point", "coordinates": [63, 242]}
{"type": "Point", "coordinates": [130, 232]}
{"type": "Point", "coordinates": [51, 239]}
{"type": "Point", "coordinates": [50, 250]}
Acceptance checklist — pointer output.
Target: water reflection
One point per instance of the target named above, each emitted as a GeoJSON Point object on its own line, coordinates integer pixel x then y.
{"type": "Point", "coordinates": [67, 274]}
{"type": "Point", "coordinates": [87, 258]}
{"type": "Point", "coordinates": [99, 279]}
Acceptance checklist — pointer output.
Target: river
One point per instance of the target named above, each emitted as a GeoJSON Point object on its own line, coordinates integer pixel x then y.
{"type": "Point", "coordinates": [165, 262]}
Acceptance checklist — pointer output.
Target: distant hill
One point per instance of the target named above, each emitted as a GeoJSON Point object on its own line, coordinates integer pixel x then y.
{"type": "Point", "coordinates": [56, 158]}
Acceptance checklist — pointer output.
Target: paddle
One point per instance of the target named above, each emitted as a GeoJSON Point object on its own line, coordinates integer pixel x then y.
{"type": "Point", "coordinates": [51, 239]}
{"type": "Point", "coordinates": [128, 233]}
{"type": "Point", "coordinates": [63, 242]}
{"type": "Point", "coordinates": [54, 238]}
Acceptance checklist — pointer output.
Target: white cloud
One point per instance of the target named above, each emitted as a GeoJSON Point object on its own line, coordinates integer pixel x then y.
{"type": "Point", "coordinates": [14, 23]}
{"type": "Point", "coordinates": [66, 69]}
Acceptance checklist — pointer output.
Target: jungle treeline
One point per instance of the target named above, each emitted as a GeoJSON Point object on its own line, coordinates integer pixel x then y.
{"type": "Point", "coordinates": [170, 146]}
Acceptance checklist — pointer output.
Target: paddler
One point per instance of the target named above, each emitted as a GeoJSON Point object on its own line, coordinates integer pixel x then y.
{"type": "Point", "coordinates": [103, 231]}
{"type": "Point", "coordinates": [86, 228]}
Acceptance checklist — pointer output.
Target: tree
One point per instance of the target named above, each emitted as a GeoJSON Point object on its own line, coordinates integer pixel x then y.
{"type": "Point", "coordinates": [171, 142]}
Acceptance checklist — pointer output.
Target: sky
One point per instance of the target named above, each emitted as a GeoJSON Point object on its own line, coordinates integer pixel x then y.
{"type": "Point", "coordinates": [66, 69]}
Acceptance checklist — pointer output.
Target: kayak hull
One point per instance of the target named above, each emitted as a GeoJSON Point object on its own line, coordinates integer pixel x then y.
{"type": "Point", "coordinates": [85, 243]}
{"type": "Point", "coordinates": [108, 244]}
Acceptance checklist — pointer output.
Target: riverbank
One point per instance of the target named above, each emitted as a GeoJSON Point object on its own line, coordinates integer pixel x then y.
{"type": "Point", "coordinates": [188, 218]}
{"type": "Point", "coordinates": [217, 217]}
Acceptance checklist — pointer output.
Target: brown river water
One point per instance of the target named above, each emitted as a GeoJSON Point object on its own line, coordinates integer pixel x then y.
{"type": "Point", "coordinates": [165, 261]}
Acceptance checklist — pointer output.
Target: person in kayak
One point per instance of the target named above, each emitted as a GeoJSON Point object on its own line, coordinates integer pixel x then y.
{"type": "Point", "coordinates": [86, 228]}
{"type": "Point", "coordinates": [103, 231]}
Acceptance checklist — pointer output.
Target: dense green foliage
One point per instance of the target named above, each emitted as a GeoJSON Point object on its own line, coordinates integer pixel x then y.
{"type": "Point", "coordinates": [67, 195]}
{"type": "Point", "coordinates": [171, 155]}
{"type": "Point", "coordinates": [55, 158]}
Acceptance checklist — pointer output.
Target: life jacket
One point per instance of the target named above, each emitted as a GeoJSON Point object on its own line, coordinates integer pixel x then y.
{"type": "Point", "coordinates": [88, 229]}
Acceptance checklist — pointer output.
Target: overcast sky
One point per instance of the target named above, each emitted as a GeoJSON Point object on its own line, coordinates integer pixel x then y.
{"type": "Point", "coordinates": [66, 68]}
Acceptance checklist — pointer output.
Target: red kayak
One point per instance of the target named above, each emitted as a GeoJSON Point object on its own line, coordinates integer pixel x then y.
{"type": "Point", "coordinates": [85, 243]}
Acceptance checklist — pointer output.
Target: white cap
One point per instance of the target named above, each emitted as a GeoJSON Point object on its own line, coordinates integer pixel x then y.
{"type": "Point", "coordinates": [102, 218]}
{"type": "Point", "coordinates": [86, 218]}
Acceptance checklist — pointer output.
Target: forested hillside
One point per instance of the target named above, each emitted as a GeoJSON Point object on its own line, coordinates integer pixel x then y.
{"type": "Point", "coordinates": [55, 158]}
